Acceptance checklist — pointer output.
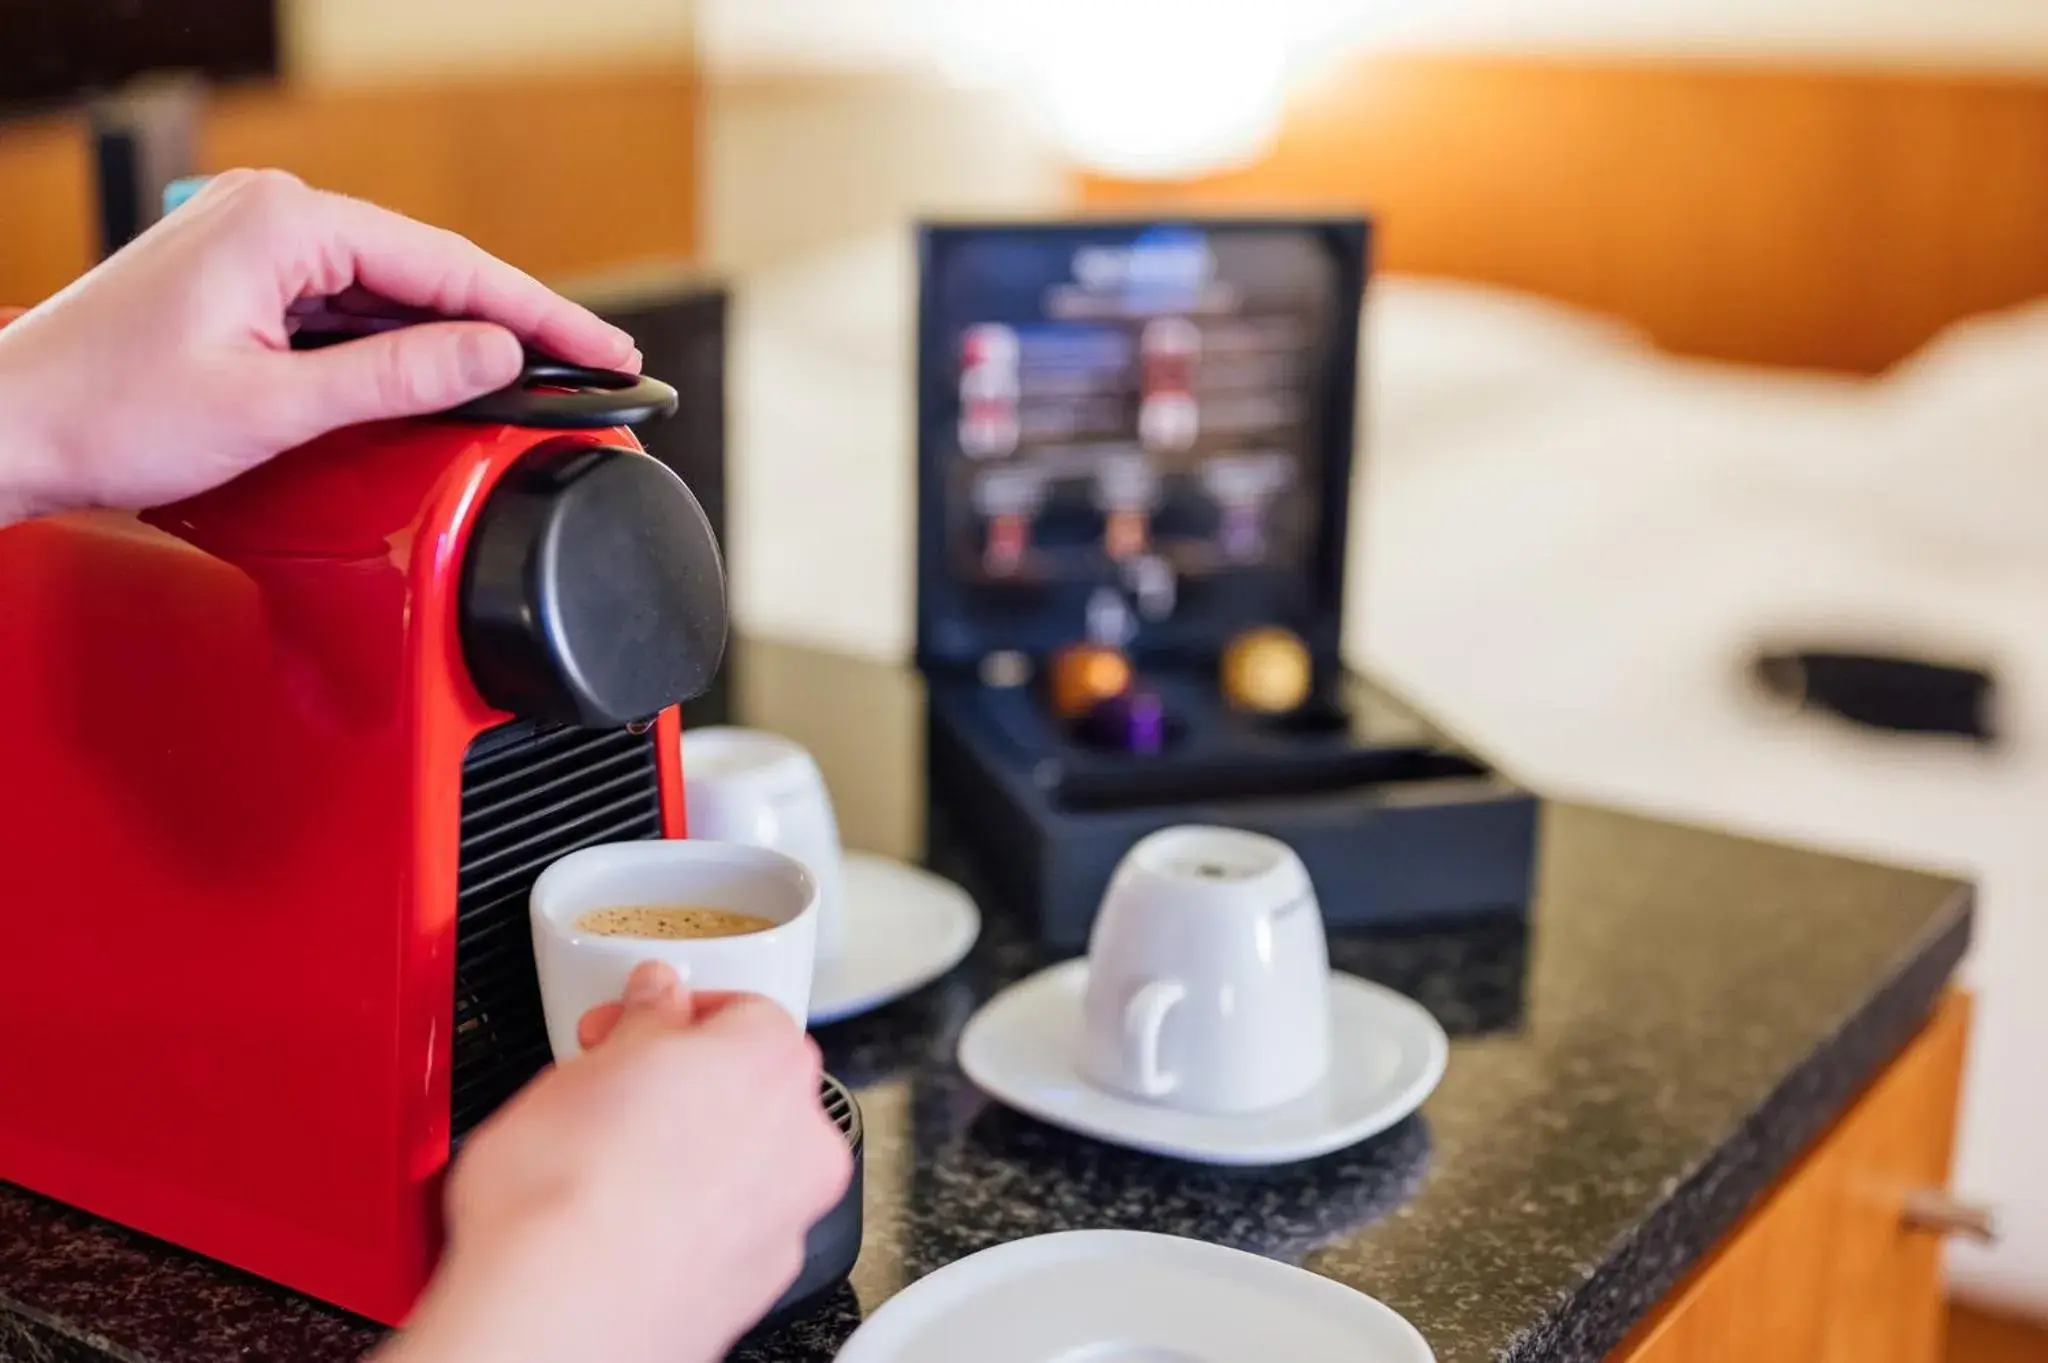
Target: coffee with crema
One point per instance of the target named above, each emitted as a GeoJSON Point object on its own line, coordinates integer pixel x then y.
{"type": "Point", "coordinates": [671, 921]}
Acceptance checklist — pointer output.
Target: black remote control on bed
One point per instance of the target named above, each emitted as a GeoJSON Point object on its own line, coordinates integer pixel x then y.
{"type": "Point", "coordinates": [1901, 694]}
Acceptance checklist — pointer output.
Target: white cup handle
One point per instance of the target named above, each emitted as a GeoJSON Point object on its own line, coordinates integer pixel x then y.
{"type": "Point", "coordinates": [1144, 1019]}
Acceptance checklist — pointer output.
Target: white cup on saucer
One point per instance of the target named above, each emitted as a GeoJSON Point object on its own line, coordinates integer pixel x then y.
{"type": "Point", "coordinates": [1208, 975]}
{"type": "Point", "coordinates": [579, 969]}
{"type": "Point", "coordinates": [761, 789]}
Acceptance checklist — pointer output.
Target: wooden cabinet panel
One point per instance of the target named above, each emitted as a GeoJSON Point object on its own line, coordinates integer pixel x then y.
{"type": "Point", "coordinates": [1825, 1268]}
{"type": "Point", "coordinates": [1979, 1336]}
{"type": "Point", "coordinates": [560, 174]}
{"type": "Point", "coordinates": [1757, 1302]}
{"type": "Point", "coordinates": [1885, 1281]}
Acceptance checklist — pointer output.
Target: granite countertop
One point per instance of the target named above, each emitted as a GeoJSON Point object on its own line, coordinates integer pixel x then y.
{"type": "Point", "coordinates": [1682, 1013]}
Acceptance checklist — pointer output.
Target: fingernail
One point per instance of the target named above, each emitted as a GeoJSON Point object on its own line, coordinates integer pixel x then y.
{"type": "Point", "coordinates": [650, 982]}
{"type": "Point", "coordinates": [488, 358]}
{"type": "Point", "coordinates": [635, 361]}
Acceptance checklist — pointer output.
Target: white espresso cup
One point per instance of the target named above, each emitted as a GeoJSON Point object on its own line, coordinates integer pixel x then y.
{"type": "Point", "coordinates": [580, 970]}
{"type": "Point", "coordinates": [1208, 975]}
{"type": "Point", "coordinates": [750, 786]}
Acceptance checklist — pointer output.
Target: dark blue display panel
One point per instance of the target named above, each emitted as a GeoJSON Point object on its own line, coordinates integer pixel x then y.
{"type": "Point", "coordinates": [1139, 433]}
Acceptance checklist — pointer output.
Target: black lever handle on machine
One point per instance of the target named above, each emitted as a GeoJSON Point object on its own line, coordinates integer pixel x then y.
{"type": "Point", "coordinates": [557, 396]}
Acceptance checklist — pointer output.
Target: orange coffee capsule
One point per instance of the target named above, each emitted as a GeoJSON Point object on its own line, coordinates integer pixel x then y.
{"type": "Point", "coordinates": [1084, 675]}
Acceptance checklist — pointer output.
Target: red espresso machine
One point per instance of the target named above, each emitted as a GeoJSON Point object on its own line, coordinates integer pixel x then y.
{"type": "Point", "coordinates": [280, 765]}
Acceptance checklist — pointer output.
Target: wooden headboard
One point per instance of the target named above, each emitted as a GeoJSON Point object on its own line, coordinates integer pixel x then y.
{"type": "Point", "coordinates": [1780, 215]}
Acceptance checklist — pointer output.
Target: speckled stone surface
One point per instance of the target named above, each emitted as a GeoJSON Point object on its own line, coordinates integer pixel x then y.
{"type": "Point", "coordinates": [1683, 1013]}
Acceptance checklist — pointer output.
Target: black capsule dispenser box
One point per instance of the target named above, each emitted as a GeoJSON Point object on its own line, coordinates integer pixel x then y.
{"type": "Point", "coordinates": [1139, 435]}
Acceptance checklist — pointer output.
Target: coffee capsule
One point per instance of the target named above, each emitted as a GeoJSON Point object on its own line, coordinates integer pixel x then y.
{"type": "Point", "coordinates": [1134, 722]}
{"type": "Point", "coordinates": [1084, 674]}
{"type": "Point", "coordinates": [1267, 671]}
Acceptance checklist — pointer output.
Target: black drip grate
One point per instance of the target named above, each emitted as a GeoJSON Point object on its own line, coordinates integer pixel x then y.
{"type": "Point", "coordinates": [530, 793]}
{"type": "Point", "coordinates": [843, 1110]}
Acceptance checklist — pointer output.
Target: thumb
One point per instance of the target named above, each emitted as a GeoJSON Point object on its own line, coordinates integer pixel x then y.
{"type": "Point", "coordinates": [655, 1001]}
{"type": "Point", "coordinates": [411, 371]}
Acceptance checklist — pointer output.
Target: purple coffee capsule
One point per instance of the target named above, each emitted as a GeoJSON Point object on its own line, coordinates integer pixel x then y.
{"type": "Point", "coordinates": [1134, 722]}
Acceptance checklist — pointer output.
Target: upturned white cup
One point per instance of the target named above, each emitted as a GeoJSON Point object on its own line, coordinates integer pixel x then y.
{"type": "Point", "coordinates": [750, 786]}
{"type": "Point", "coordinates": [1208, 975]}
{"type": "Point", "coordinates": [581, 970]}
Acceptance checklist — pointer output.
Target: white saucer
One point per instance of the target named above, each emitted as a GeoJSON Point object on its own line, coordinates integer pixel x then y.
{"type": "Point", "coordinates": [905, 927]}
{"type": "Point", "coordinates": [1386, 1055]}
{"type": "Point", "coordinates": [1117, 1296]}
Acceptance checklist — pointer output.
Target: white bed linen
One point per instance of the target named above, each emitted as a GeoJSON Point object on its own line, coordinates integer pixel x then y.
{"type": "Point", "coordinates": [1571, 572]}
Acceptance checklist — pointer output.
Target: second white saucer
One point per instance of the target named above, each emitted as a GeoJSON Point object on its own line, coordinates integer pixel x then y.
{"type": "Point", "coordinates": [905, 927]}
{"type": "Point", "coordinates": [1109, 1296]}
{"type": "Point", "coordinates": [1386, 1055]}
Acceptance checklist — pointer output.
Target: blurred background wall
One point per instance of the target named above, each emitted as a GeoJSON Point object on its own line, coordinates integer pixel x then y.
{"type": "Point", "coordinates": [899, 34]}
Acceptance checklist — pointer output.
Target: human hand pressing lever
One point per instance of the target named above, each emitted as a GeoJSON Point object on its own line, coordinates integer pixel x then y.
{"type": "Point", "coordinates": [168, 369]}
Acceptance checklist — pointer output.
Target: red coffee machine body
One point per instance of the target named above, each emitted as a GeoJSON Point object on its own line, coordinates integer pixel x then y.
{"type": "Point", "coordinates": [277, 774]}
